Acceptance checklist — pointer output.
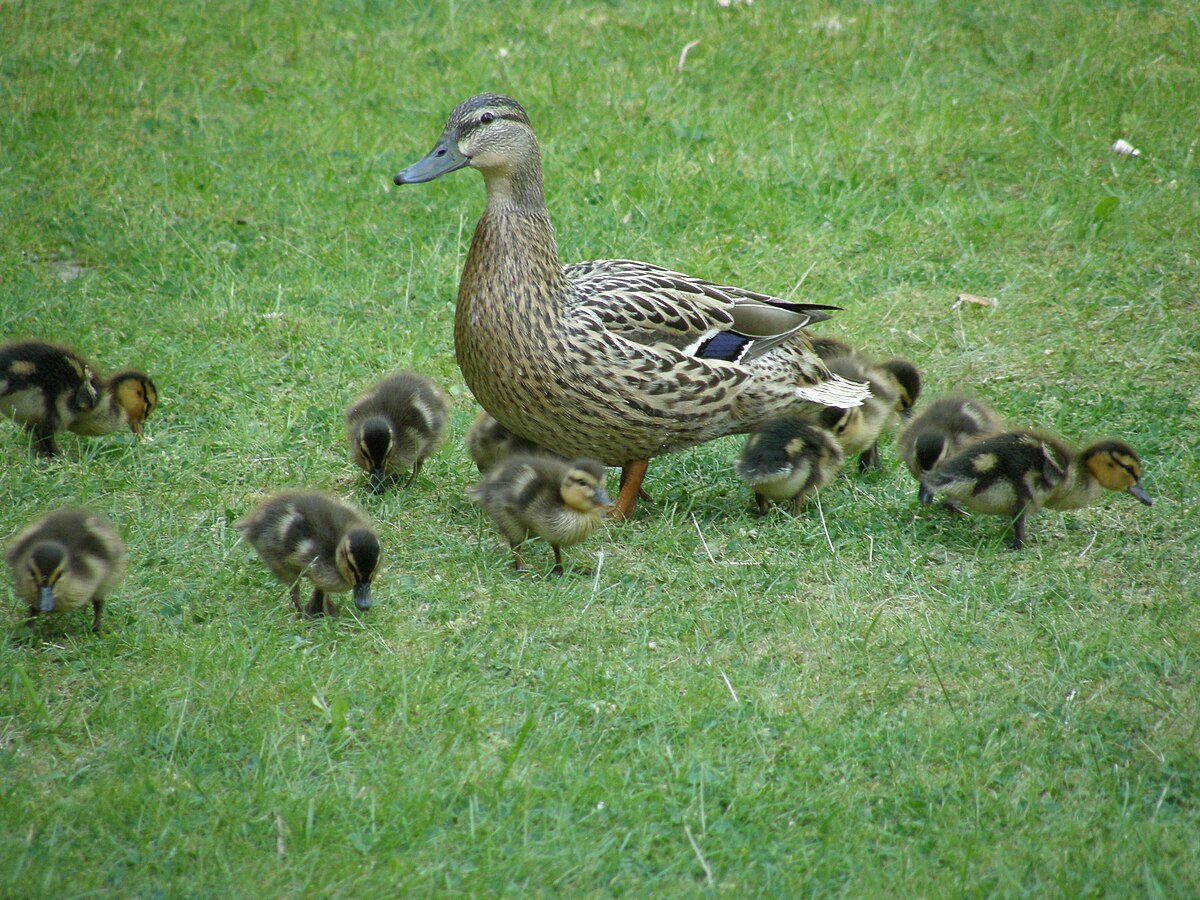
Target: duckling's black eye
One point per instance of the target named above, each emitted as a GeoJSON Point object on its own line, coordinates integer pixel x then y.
{"type": "Point", "coordinates": [487, 118]}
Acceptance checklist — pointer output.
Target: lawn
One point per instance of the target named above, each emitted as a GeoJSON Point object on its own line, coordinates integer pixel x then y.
{"type": "Point", "coordinates": [868, 699]}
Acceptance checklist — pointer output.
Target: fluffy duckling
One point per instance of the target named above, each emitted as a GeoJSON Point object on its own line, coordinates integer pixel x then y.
{"type": "Point", "coordinates": [561, 502]}
{"type": "Point", "coordinates": [895, 386]}
{"type": "Point", "coordinates": [489, 442]}
{"type": "Point", "coordinates": [48, 388]}
{"type": "Point", "coordinates": [1014, 473]}
{"type": "Point", "coordinates": [785, 458]}
{"type": "Point", "coordinates": [828, 347]}
{"type": "Point", "coordinates": [318, 537]}
{"type": "Point", "coordinates": [395, 425]}
{"type": "Point", "coordinates": [946, 426]}
{"type": "Point", "coordinates": [64, 560]}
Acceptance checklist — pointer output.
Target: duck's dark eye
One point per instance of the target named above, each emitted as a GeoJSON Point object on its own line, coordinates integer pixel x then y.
{"type": "Point", "coordinates": [486, 118]}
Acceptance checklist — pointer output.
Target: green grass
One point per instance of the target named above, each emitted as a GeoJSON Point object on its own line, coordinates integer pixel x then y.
{"type": "Point", "coordinates": [864, 700]}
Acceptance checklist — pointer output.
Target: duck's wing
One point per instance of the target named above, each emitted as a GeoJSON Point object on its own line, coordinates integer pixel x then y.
{"type": "Point", "coordinates": [651, 305]}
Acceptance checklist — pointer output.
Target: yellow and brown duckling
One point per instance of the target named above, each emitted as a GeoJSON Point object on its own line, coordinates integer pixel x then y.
{"type": "Point", "coordinates": [1015, 473]}
{"type": "Point", "coordinates": [615, 359]}
{"type": "Point", "coordinates": [394, 425]}
{"type": "Point", "coordinates": [785, 458]}
{"type": "Point", "coordinates": [308, 534]}
{"type": "Point", "coordinates": [894, 386]}
{"type": "Point", "coordinates": [489, 442]}
{"type": "Point", "coordinates": [561, 502]}
{"type": "Point", "coordinates": [64, 560]}
{"type": "Point", "coordinates": [48, 388]}
{"type": "Point", "coordinates": [944, 427]}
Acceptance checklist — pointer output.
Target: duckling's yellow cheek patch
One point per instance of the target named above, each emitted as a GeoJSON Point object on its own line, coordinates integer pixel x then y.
{"type": "Point", "coordinates": [984, 462]}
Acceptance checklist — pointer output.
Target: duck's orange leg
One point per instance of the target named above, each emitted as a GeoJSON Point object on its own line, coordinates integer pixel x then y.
{"type": "Point", "coordinates": [632, 474]}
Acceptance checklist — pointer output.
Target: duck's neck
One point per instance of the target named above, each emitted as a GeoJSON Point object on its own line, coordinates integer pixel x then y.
{"type": "Point", "coordinates": [105, 417]}
{"type": "Point", "coordinates": [514, 243]}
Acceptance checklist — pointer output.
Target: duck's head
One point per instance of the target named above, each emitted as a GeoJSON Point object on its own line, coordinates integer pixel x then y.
{"type": "Point", "coordinates": [583, 487]}
{"type": "Point", "coordinates": [1116, 466]}
{"type": "Point", "coordinates": [136, 395]}
{"type": "Point", "coordinates": [357, 560]}
{"type": "Point", "coordinates": [375, 440]}
{"type": "Point", "coordinates": [908, 383]}
{"type": "Point", "coordinates": [930, 448]}
{"type": "Point", "coordinates": [45, 565]}
{"type": "Point", "coordinates": [488, 132]}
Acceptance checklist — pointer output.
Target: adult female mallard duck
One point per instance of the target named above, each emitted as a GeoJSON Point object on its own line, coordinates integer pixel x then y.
{"type": "Point", "coordinates": [614, 360]}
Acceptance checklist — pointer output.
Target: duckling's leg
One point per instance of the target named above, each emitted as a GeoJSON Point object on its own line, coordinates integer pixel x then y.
{"type": "Point", "coordinates": [295, 595]}
{"type": "Point", "coordinates": [762, 504]}
{"type": "Point", "coordinates": [416, 470]}
{"type": "Point", "coordinates": [316, 606]}
{"type": "Point", "coordinates": [558, 566]}
{"type": "Point", "coordinates": [517, 561]}
{"type": "Point", "coordinates": [97, 605]}
{"type": "Point", "coordinates": [632, 475]}
{"type": "Point", "coordinates": [869, 458]}
{"type": "Point", "coordinates": [797, 504]}
{"type": "Point", "coordinates": [43, 441]}
{"type": "Point", "coordinates": [1019, 529]}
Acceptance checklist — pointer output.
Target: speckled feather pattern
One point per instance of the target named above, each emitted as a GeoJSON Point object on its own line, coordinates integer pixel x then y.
{"type": "Point", "coordinates": [416, 410]}
{"type": "Point", "coordinates": [523, 496]}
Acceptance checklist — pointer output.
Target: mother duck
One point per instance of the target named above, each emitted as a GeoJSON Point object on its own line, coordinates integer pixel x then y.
{"type": "Point", "coordinates": [613, 359]}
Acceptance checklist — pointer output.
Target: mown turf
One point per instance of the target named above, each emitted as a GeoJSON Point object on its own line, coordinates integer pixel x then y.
{"type": "Point", "coordinates": [867, 699]}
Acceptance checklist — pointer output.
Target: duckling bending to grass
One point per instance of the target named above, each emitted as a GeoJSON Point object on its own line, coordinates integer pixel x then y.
{"type": "Point", "coordinates": [488, 442]}
{"type": "Point", "coordinates": [614, 360]}
{"type": "Point", "coordinates": [561, 502]}
{"type": "Point", "coordinates": [944, 427]}
{"type": "Point", "coordinates": [394, 425]}
{"type": "Point", "coordinates": [895, 386]}
{"type": "Point", "coordinates": [64, 560]}
{"type": "Point", "coordinates": [1014, 473]}
{"type": "Point", "coordinates": [48, 388]}
{"type": "Point", "coordinates": [785, 458]}
{"type": "Point", "coordinates": [308, 534]}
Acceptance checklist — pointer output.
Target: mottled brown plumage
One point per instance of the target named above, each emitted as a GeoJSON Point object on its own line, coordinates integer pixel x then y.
{"type": "Point", "coordinates": [615, 360]}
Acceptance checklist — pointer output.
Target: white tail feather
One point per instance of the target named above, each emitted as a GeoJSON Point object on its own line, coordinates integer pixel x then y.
{"type": "Point", "coordinates": [837, 391]}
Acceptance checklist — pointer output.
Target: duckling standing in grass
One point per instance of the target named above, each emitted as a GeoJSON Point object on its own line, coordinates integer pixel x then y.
{"type": "Point", "coordinates": [1014, 473]}
{"type": "Point", "coordinates": [48, 388]}
{"type": "Point", "coordinates": [315, 536]}
{"type": "Point", "coordinates": [561, 502]}
{"type": "Point", "coordinates": [489, 442]}
{"type": "Point", "coordinates": [64, 560]}
{"type": "Point", "coordinates": [785, 458]}
{"type": "Point", "coordinates": [894, 388]}
{"type": "Point", "coordinates": [946, 426]}
{"type": "Point", "coordinates": [395, 425]}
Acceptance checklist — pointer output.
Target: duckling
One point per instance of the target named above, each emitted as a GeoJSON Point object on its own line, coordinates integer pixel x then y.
{"type": "Point", "coordinates": [828, 347]}
{"type": "Point", "coordinates": [1014, 473]}
{"type": "Point", "coordinates": [895, 385]}
{"type": "Point", "coordinates": [48, 388]}
{"type": "Point", "coordinates": [489, 442]}
{"type": "Point", "coordinates": [946, 426]}
{"type": "Point", "coordinates": [318, 537]}
{"type": "Point", "coordinates": [785, 458]}
{"type": "Point", "coordinates": [395, 425]}
{"type": "Point", "coordinates": [64, 560]}
{"type": "Point", "coordinates": [561, 502]}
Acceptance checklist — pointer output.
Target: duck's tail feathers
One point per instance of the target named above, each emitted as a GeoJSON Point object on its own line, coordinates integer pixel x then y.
{"type": "Point", "coordinates": [836, 391]}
